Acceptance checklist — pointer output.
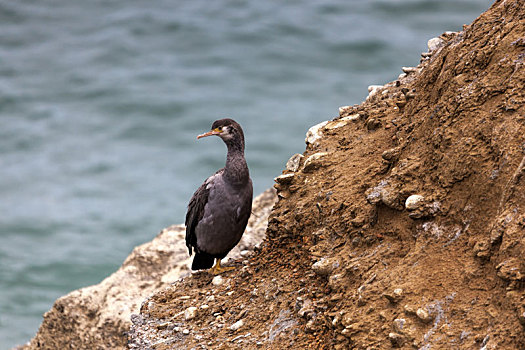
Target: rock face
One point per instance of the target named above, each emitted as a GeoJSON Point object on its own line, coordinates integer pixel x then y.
{"type": "Point", "coordinates": [98, 317]}
{"type": "Point", "coordinates": [346, 262]}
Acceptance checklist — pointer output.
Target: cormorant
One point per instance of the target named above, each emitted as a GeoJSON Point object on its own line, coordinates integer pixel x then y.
{"type": "Point", "coordinates": [219, 210]}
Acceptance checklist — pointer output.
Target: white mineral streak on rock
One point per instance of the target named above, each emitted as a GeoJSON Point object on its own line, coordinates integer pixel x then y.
{"type": "Point", "coordinates": [335, 124]}
{"type": "Point", "coordinates": [414, 201]}
{"type": "Point", "coordinates": [325, 266]}
{"type": "Point", "coordinates": [190, 313]}
{"type": "Point", "coordinates": [315, 133]}
{"type": "Point", "coordinates": [351, 117]}
{"type": "Point", "coordinates": [313, 161]}
{"type": "Point", "coordinates": [343, 109]}
{"type": "Point", "coordinates": [284, 179]}
{"type": "Point", "coordinates": [409, 70]}
{"type": "Point", "coordinates": [424, 315]}
{"type": "Point", "coordinates": [237, 325]}
{"type": "Point", "coordinates": [373, 89]}
{"type": "Point", "coordinates": [434, 44]}
{"type": "Point", "coordinates": [293, 163]}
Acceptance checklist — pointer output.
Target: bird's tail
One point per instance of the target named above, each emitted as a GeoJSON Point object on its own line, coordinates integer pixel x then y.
{"type": "Point", "coordinates": [202, 261]}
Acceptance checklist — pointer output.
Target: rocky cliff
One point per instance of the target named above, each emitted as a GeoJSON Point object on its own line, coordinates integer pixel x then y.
{"type": "Point", "coordinates": [402, 225]}
{"type": "Point", "coordinates": [98, 317]}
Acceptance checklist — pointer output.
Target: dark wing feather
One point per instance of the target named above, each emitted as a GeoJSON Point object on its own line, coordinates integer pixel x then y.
{"type": "Point", "coordinates": [194, 214]}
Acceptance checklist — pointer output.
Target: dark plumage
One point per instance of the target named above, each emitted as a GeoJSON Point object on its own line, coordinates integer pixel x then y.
{"type": "Point", "coordinates": [219, 210]}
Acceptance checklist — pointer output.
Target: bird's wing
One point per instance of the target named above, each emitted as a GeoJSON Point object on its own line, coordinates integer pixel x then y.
{"type": "Point", "coordinates": [194, 214]}
{"type": "Point", "coordinates": [243, 213]}
{"type": "Point", "coordinates": [196, 211]}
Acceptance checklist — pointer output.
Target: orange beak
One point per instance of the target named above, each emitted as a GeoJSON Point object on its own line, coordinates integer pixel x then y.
{"type": "Point", "coordinates": [209, 133]}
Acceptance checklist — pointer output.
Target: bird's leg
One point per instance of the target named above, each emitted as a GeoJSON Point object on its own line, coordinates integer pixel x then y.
{"type": "Point", "coordinates": [217, 269]}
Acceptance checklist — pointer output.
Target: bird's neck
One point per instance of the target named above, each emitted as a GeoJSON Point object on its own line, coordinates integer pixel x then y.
{"type": "Point", "coordinates": [236, 170]}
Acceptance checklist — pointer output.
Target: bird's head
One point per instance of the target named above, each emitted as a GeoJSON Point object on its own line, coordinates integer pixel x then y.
{"type": "Point", "coordinates": [227, 129]}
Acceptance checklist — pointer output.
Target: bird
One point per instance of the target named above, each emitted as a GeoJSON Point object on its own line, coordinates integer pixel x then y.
{"type": "Point", "coordinates": [219, 210]}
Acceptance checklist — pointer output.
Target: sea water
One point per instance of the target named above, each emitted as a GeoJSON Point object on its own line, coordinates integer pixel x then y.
{"type": "Point", "coordinates": [101, 102]}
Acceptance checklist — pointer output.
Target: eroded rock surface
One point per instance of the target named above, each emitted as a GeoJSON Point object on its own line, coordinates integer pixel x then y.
{"type": "Point", "coordinates": [98, 317]}
{"type": "Point", "coordinates": [346, 263]}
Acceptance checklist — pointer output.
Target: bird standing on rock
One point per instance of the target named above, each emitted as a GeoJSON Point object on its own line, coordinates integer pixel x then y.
{"type": "Point", "coordinates": [219, 210]}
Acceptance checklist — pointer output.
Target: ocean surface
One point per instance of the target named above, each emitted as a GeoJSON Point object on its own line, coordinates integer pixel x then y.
{"type": "Point", "coordinates": [101, 102]}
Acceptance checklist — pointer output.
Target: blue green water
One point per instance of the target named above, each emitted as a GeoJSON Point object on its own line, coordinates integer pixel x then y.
{"type": "Point", "coordinates": [100, 103]}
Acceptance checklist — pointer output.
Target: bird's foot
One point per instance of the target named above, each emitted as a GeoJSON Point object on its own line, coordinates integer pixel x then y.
{"type": "Point", "coordinates": [217, 269]}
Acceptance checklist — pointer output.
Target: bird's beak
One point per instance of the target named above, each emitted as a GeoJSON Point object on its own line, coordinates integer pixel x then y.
{"type": "Point", "coordinates": [209, 133]}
